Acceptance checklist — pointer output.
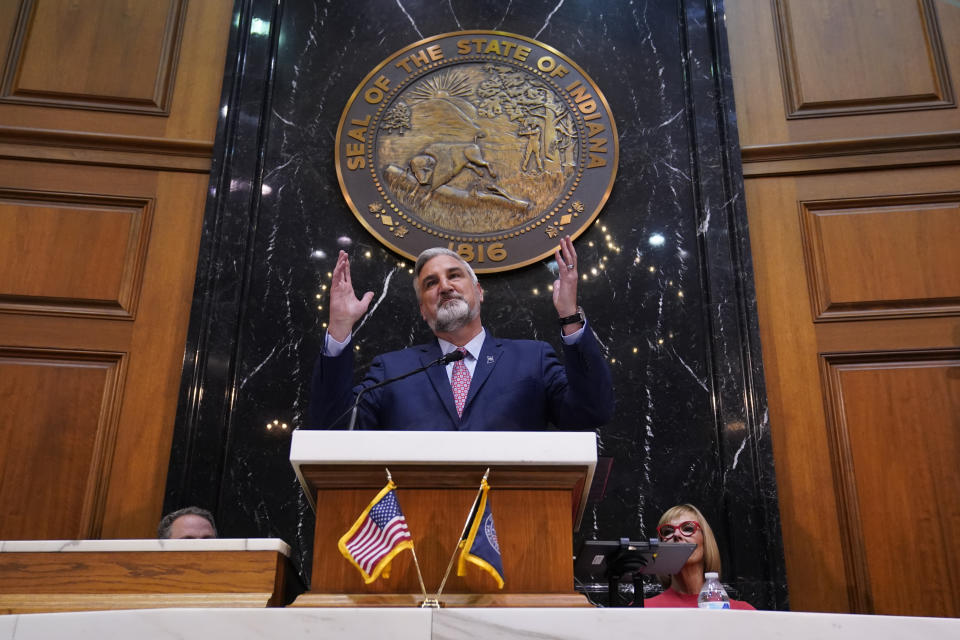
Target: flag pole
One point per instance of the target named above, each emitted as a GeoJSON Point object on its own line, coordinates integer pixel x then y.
{"type": "Point", "coordinates": [466, 524]}
{"type": "Point", "coordinates": [413, 550]}
{"type": "Point", "coordinates": [423, 589]}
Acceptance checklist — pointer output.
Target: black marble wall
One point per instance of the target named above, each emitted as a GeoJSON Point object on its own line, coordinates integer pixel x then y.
{"type": "Point", "coordinates": [673, 306]}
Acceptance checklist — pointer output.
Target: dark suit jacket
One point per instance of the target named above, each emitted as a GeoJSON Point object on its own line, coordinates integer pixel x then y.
{"type": "Point", "coordinates": [518, 385]}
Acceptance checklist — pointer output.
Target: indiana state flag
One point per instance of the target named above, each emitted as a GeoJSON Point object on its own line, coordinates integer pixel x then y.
{"type": "Point", "coordinates": [480, 544]}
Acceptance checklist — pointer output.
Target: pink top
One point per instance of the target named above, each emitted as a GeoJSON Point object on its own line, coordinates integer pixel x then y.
{"type": "Point", "coordinates": [674, 599]}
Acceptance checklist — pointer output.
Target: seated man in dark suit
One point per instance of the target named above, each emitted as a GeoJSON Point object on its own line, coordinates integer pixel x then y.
{"type": "Point", "coordinates": [499, 385]}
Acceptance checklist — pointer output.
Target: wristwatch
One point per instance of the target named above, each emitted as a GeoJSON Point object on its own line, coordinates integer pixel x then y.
{"type": "Point", "coordinates": [575, 318]}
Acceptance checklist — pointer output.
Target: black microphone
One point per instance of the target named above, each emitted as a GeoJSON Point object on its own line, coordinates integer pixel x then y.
{"type": "Point", "coordinates": [453, 356]}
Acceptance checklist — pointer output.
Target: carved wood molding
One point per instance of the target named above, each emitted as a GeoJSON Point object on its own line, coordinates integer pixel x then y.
{"type": "Point", "coordinates": [449, 477]}
{"type": "Point", "coordinates": [851, 535]}
{"type": "Point", "coordinates": [157, 104]}
{"type": "Point", "coordinates": [77, 147]}
{"type": "Point", "coordinates": [98, 474]}
{"type": "Point", "coordinates": [821, 149]}
{"type": "Point", "coordinates": [824, 307]}
{"type": "Point", "coordinates": [798, 106]}
{"type": "Point", "coordinates": [63, 602]}
{"type": "Point", "coordinates": [124, 307]}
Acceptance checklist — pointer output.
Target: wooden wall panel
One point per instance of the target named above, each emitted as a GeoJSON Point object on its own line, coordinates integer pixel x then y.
{"type": "Point", "coordinates": [883, 257]}
{"type": "Point", "coordinates": [58, 420]}
{"type": "Point", "coordinates": [816, 576]}
{"type": "Point", "coordinates": [850, 141]}
{"type": "Point", "coordinates": [118, 82]}
{"type": "Point", "coordinates": [895, 423]}
{"type": "Point", "coordinates": [138, 475]}
{"type": "Point", "coordinates": [151, 343]}
{"type": "Point", "coordinates": [65, 53]}
{"type": "Point", "coordinates": [827, 572]}
{"type": "Point", "coordinates": [107, 117]}
{"type": "Point", "coordinates": [857, 68]}
{"type": "Point", "coordinates": [860, 56]}
{"type": "Point", "coordinates": [72, 253]}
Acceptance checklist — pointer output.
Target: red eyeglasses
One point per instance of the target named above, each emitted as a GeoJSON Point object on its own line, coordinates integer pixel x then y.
{"type": "Point", "coordinates": [686, 529]}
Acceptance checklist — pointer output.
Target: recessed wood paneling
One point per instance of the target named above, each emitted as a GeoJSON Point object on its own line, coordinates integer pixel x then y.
{"type": "Point", "coordinates": [154, 338]}
{"type": "Point", "coordinates": [72, 254]}
{"type": "Point", "coordinates": [857, 71]}
{"type": "Point", "coordinates": [150, 84]}
{"type": "Point", "coordinates": [108, 112]}
{"type": "Point", "coordinates": [114, 55]}
{"type": "Point", "coordinates": [823, 574]}
{"type": "Point", "coordinates": [60, 407]}
{"type": "Point", "coordinates": [883, 257]}
{"type": "Point", "coordinates": [860, 56]}
{"type": "Point", "coordinates": [895, 427]}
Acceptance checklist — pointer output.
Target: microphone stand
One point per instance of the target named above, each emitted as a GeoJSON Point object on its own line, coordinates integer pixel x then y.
{"type": "Point", "coordinates": [453, 356]}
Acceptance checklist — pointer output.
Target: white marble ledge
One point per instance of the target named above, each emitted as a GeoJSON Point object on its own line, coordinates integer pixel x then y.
{"type": "Point", "coordinates": [444, 447]}
{"type": "Point", "coordinates": [217, 544]}
{"type": "Point", "coordinates": [236, 624]}
{"type": "Point", "coordinates": [576, 624]}
{"type": "Point", "coordinates": [460, 624]}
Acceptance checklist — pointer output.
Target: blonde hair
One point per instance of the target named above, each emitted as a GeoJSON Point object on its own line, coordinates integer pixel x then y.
{"type": "Point", "coordinates": [711, 553]}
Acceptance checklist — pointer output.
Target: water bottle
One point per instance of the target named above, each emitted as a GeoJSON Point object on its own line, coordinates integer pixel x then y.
{"type": "Point", "coordinates": [713, 596]}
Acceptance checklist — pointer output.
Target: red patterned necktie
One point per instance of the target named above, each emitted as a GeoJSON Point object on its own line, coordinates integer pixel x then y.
{"type": "Point", "coordinates": [460, 381]}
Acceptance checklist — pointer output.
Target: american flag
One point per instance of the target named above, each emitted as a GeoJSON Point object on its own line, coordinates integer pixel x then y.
{"type": "Point", "coordinates": [377, 536]}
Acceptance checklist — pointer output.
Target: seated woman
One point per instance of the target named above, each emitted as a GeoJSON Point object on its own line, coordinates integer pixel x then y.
{"type": "Point", "coordinates": [685, 523]}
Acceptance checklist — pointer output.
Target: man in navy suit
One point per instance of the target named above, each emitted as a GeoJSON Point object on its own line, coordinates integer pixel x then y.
{"type": "Point", "coordinates": [505, 385]}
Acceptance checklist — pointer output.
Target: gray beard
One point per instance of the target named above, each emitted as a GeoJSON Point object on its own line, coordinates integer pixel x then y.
{"type": "Point", "coordinates": [452, 315]}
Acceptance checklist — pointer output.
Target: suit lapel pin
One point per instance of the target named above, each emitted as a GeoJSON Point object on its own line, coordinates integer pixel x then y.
{"type": "Point", "coordinates": [489, 359]}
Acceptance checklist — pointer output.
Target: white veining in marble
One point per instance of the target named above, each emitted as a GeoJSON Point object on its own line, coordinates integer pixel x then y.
{"type": "Point", "coordinates": [410, 18]}
{"type": "Point", "coordinates": [576, 624]}
{"type": "Point", "coordinates": [468, 624]}
{"type": "Point", "coordinates": [219, 544]}
{"type": "Point", "coordinates": [236, 624]}
{"type": "Point", "coordinates": [376, 303]}
{"type": "Point", "coordinates": [546, 22]}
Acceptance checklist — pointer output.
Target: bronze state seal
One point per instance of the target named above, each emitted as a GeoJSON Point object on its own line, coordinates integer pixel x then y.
{"type": "Point", "coordinates": [489, 143]}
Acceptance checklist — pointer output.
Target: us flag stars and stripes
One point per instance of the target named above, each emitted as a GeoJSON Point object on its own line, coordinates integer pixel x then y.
{"type": "Point", "coordinates": [379, 534]}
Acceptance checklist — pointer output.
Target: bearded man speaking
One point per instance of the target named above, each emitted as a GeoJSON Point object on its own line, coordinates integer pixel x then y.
{"type": "Point", "coordinates": [495, 385]}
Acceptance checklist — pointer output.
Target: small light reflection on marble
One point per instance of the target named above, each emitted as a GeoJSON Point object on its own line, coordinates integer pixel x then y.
{"type": "Point", "coordinates": [260, 27]}
{"type": "Point", "coordinates": [276, 424]}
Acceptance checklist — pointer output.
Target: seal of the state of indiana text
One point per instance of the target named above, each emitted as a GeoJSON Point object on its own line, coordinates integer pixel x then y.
{"type": "Point", "coordinates": [489, 143]}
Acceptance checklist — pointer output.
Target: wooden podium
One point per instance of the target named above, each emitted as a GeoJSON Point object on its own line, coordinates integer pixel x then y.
{"type": "Point", "coordinates": [539, 484]}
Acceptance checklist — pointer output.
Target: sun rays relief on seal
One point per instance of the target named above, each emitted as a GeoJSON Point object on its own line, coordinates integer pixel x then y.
{"type": "Point", "coordinates": [489, 143]}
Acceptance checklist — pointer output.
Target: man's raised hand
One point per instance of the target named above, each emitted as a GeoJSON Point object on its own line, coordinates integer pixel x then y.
{"type": "Point", "coordinates": [345, 307]}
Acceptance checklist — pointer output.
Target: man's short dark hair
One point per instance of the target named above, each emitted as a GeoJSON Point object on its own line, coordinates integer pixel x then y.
{"type": "Point", "coordinates": [163, 530]}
